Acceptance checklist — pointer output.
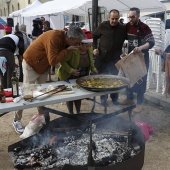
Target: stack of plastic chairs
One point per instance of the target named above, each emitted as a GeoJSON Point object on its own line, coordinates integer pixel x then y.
{"type": "Point", "coordinates": [155, 74]}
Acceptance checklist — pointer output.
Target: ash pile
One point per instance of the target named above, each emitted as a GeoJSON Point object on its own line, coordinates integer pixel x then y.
{"type": "Point", "coordinates": [108, 147]}
{"type": "Point", "coordinates": [67, 144]}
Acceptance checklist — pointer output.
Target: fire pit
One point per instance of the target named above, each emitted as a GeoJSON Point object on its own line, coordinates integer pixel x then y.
{"type": "Point", "coordinates": [69, 144]}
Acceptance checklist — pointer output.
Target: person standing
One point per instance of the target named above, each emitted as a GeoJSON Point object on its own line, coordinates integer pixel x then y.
{"type": "Point", "coordinates": [77, 64]}
{"type": "Point", "coordinates": [121, 20]}
{"type": "Point", "coordinates": [37, 28]}
{"type": "Point", "coordinates": [112, 35]}
{"type": "Point", "coordinates": [17, 27]}
{"type": "Point", "coordinates": [8, 45]}
{"type": "Point", "coordinates": [72, 23]}
{"type": "Point", "coordinates": [42, 19]}
{"type": "Point", "coordinates": [46, 26]}
{"type": "Point", "coordinates": [47, 50]}
{"type": "Point", "coordinates": [140, 38]}
{"type": "Point", "coordinates": [27, 42]}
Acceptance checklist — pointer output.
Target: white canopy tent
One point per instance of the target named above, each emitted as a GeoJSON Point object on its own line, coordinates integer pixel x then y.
{"type": "Point", "coordinates": [80, 7]}
{"type": "Point", "coordinates": [30, 6]}
{"type": "Point", "coordinates": [55, 6]}
{"type": "Point", "coordinates": [56, 20]}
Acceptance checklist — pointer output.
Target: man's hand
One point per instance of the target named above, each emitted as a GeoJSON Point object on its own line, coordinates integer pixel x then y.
{"type": "Point", "coordinates": [71, 48]}
{"type": "Point", "coordinates": [96, 71]}
{"type": "Point", "coordinates": [75, 72]}
{"type": "Point", "coordinates": [96, 52]}
{"type": "Point", "coordinates": [158, 51]}
{"type": "Point", "coordinates": [142, 47]}
{"type": "Point", "coordinates": [137, 49]}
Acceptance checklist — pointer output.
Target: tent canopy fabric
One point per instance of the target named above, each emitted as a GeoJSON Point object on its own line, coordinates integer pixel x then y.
{"type": "Point", "coordinates": [53, 7]}
{"type": "Point", "coordinates": [80, 7]}
{"type": "Point", "coordinates": [29, 7]}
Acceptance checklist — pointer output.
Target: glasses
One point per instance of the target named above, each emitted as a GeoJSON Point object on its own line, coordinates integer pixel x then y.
{"type": "Point", "coordinates": [132, 17]}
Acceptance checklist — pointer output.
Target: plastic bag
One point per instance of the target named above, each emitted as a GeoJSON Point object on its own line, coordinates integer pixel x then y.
{"type": "Point", "coordinates": [146, 128]}
{"type": "Point", "coordinates": [34, 126]}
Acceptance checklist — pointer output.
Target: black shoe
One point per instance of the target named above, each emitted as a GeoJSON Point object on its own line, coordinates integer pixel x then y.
{"type": "Point", "coordinates": [116, 102]}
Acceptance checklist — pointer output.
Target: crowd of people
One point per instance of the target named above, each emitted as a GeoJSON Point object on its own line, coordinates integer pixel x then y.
{"type": "Point", "coordinates": [78, 52]}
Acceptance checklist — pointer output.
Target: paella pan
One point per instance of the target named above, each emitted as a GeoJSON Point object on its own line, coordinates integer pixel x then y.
{"type": "Point", "coordinates": [98, 83]}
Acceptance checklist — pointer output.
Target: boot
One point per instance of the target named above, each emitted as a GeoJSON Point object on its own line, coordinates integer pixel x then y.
{"type": "Point", "coordinates": [138, 109]}
{"type": "Point", "coordinates": [127, 102]}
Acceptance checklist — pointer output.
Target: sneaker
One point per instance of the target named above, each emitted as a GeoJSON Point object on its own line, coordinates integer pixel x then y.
{"type": "Point", "coordinates": [138, 109]}
{"type": "Point", "coordinates": [18, 126]}
{"type": "Point", "coordinates": [127, 102]}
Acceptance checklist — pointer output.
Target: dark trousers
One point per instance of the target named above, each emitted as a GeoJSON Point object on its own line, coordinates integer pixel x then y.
{"type": "Point", "coordinates": [110, 69]}
{"type": "Point", "coordinates": [139, 89]}
{"type": "Point", "coordinates": [53, 68]}
{"type": "Point", "coordinates": [10, 67]}
{"type": "Point", "coordinates": [69, 104]}
{"type": "Point", "coordinates": [77, 106]}
{"type": "Point", "coordinates": [20, 69]}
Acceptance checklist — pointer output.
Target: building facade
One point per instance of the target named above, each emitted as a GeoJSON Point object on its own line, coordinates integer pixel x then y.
{"type": "Point", "coordinates": [9, 6]}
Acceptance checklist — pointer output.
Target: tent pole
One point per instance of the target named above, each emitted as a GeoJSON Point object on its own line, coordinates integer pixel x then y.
{"type": "Point", "coordinates": [85, 18]}
{"type": "Point", "coordinates": [165, 16]}
{"type": "Point", "coordinates": [94, 14]}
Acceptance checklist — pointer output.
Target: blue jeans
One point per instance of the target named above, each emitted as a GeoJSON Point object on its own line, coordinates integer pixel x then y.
{"type": "Point", "coordinates": [139, 89]}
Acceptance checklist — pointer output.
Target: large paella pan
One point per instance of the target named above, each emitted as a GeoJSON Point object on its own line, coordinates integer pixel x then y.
{"type": "Point", "coordinates": [100, 83]}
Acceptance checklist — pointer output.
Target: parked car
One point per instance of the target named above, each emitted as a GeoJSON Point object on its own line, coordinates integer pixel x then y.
{"type": "Point", "coordinates": [77, 23]}
{"type": "Point", "coordinates": [80, 24]}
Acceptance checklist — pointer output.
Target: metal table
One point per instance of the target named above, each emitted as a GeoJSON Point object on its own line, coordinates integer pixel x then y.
{"type": "Point", "coordinates": [79, 93]}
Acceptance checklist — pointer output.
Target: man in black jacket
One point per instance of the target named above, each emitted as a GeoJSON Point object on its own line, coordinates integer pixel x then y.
{"type": "Point", "coordinates": [8, 45]}
{"type": "Point", "coordinates": [112, 35]}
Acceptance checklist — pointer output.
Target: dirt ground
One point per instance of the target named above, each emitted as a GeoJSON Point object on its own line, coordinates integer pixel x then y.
{"type": "Point", "coordinates": [157, 149]}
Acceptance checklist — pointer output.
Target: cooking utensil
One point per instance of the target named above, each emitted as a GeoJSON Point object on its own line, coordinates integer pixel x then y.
{"type": "Point", "coordinates": [51, 92]}
{"type": "Point", "coordinates": [80, 81]}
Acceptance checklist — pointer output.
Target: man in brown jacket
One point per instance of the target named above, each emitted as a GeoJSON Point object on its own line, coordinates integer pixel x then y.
{"type": "Point", "coordinates": [46, 51]}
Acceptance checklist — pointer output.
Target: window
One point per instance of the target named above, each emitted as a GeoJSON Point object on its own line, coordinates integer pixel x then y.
{"type": "Point", "coordinates": [12, 8]}
{"type": "Point", "coordinates": [4, 12]}
{"type": "Point", "coordinates": [29, 1]}
{"type": "Point", "coordinates": [18, 6]}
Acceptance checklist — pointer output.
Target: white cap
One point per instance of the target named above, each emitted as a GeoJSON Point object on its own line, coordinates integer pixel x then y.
{"type": "Point", "coordinates": [87, 41]}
